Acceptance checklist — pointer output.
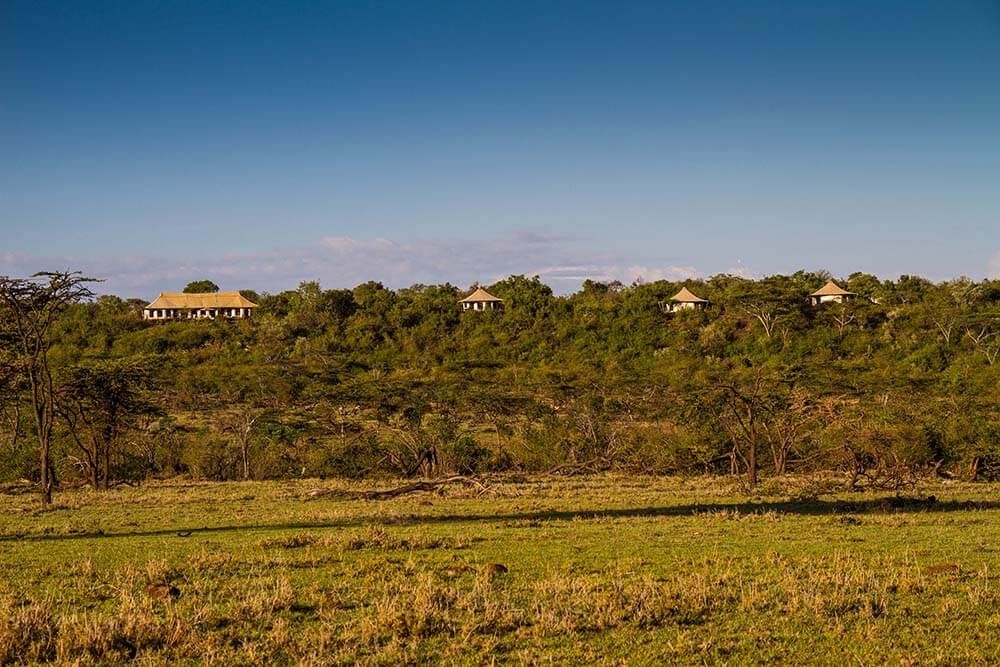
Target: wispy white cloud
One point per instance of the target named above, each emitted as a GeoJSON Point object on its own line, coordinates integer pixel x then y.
{"type": "Point", "coordinates": [742, 271]}
{"type": "Point", "coordinates": [993, 268]}
{"type": "Point", "coordinates": [342, 261]}
{"type": "Point", "coordinates": [611, 272]}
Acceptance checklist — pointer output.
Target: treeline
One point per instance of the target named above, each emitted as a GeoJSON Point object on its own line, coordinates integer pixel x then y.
{"type": "Point", "coordinates": [903, 381]}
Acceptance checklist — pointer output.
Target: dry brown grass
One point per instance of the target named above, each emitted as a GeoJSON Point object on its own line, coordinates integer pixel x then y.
{"type": "Point", "coordinates": [726, 584]}
{"type": "Point", "coordinates": [411, 610]}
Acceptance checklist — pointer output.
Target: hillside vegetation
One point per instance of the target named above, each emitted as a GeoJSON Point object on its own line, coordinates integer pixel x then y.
{"type": "Point", "coordinates": [375, 382]}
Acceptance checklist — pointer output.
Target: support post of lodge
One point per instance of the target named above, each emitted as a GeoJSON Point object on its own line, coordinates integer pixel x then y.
{"type": "Point", "coordinates": [179, 305]}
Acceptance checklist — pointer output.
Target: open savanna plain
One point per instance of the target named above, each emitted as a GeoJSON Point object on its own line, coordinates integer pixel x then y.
{"type": "Point", "coordinates": [533, 570]}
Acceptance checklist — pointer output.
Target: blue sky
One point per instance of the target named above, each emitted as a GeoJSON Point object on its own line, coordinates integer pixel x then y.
{"type": "Point", "coordinates": [260, 144]}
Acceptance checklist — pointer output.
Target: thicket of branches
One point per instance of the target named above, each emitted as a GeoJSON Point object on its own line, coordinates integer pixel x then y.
{"type": "Point", "coordinates": [371, 381]}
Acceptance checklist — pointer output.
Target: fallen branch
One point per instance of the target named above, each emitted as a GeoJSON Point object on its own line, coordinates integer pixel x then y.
{"type": "Point", "coordinates": [593, 466]}
{"type": "Point", "coordinates": [415, 487]}
{"type": "Point", "coordinates": [19, 487]}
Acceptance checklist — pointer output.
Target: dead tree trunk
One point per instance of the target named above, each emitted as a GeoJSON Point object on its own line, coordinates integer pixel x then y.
{"type": "Point", "coordinates": [428, 485]}
{"type": "Point", "coordinates": [974, 468]}
{"type": "Point", "coordinates": [752, 463]}
{"type": "Point", "coordinates": [41, 387]}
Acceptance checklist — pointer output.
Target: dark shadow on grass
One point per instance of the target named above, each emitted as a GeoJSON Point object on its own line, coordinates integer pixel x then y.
{"type": "Point", "coordinates": [888, 505]}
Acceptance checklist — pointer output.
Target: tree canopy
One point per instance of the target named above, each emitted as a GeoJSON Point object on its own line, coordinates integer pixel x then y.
{"type": "Point", "coordinates": [201, 287]}
{"type": "Point", "coordinates": [375, 381]}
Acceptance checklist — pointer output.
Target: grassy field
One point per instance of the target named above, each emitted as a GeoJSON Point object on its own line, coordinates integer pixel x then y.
{"type": "Point", "coordinates": [609, 570]}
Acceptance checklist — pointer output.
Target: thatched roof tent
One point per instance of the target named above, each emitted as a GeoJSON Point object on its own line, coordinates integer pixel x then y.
{"type": "Point", "coordinates": [481, 296]}
{"type": "Point", "coordinates": [685, 296]}
{"type": "Point", "coordinates": [832, 289]}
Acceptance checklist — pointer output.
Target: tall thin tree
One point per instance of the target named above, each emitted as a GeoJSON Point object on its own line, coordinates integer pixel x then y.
{"type": "Point", "coordinates": [29, 307]}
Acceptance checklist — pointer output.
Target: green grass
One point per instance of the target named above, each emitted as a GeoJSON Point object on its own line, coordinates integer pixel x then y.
{"type": "Point", "coordinates": [612, 570]}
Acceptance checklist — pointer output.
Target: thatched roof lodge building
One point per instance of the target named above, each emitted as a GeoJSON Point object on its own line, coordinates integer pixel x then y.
{"type": "Point", "coordinates": [685, 300]}
{"type": "Point", "coordinates": [182, 306]}
{"type": "Point", "coordinates": [481, 300]}
{"type": "Point", "coordinates": [831, 292]}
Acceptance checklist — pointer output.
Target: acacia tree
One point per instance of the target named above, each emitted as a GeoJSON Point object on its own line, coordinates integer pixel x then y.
{"type": "Point", "coordinates": [243, 424]}
{"type": "Point", "coordinates": [101, 402]}
{"type": "Point", "coordinates": [985, 340]}
{"type": "Point", "coordinates": [29, 308]}
{"type": "Point", "coordinates": [743, 402]}
{"type": "Point", "coordinates": [769, 313]}
{"type": "Point", "coordinates": [10, 397]}
{"type": "Point", "coordinates": [737, 408]}
{"type": "Point", "coordinates": [495, 405]}
{"type": "Point", "coordinates": [785, 427]}
{"type": "Point", "coordinates": [248, 402]}
{"type": "Point", "coordinates": [412, 447]}
{"type": "Point", "coordinates": [770, 303]}
{"type": "Point", "coordinates": [946, 306]}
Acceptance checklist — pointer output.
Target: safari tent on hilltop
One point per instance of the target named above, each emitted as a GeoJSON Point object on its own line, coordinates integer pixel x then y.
{"type": "Point", "coordinates": [481, 300]}
{"type": "Point", "coordinates": [831, 292]}
{"type": "Point", "coordinates": [687, 300]}
{"type": "Point", "coordinates": [183, 306]}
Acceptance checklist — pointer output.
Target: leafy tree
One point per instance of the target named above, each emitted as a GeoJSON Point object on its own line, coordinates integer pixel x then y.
{"type": "Point", "coordinates": [29, 309]}
{"type": "Point", "coordinates": [101, 402]}
{"type": "Point", "coordinates": [771, 302]}
{"type": "Point", "coordinates": [201, 287]}
{"type": "Point", "coordinates": [374, 381]}
{"type": "Point", "coordinates": [246, 402]}
{"type": "Point", "coordinates": [739, 398]}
